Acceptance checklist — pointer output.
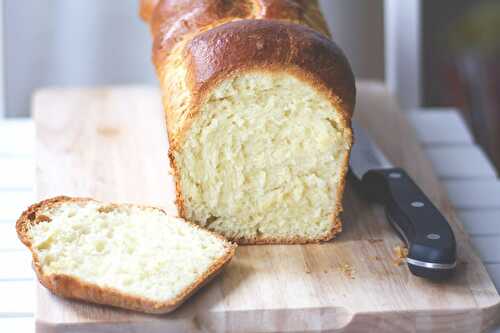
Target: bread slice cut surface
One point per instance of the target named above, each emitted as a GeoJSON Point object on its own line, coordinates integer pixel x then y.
{"type": "Point", "coordinates": [129, 256]}
{"type": "Point", "coordinates": [265, 161]}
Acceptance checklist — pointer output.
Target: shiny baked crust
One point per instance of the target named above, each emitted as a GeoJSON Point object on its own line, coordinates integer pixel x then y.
{"type": "Point", "coordinates": [213, 40]}
{"type": "Point", "coordinates": [72, 287]}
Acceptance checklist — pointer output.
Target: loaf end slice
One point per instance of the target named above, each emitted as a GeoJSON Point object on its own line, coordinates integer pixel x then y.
{"type": "Point", "coordinates": [265, 160]}
{"type": "Point", "coordinates": [128, 256]}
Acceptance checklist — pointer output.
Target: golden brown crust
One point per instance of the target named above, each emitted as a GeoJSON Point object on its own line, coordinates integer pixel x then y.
{"type": "Point", "coordinates": [214, 40]}
{"type": "Point", "coordinates": [305, 12]}
{"type": "Point", "coordinates": [146, 9]}
{"type": "Point", "coordinates": [72, 287]}
{"type": "Point", "coordinates": [173, 20]}
{"type": "Point", "coordinates": [268, 45]}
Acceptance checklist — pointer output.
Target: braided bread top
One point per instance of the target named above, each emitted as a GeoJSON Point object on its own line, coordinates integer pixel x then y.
{"type": "Point", "coordinates": [173, 20]}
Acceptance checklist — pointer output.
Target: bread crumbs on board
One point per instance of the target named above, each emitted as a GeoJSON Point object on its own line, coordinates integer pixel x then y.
{"type": "Point", "coordinates": [400, 252]}
{"type": "Point", "coordinates": [347, 270]}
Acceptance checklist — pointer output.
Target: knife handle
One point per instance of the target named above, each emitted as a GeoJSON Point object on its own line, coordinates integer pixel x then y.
{"type": "Point", "coordinates": [429, 237]}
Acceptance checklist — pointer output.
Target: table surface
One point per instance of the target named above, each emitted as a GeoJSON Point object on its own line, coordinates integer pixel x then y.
{"type": "Point", "coordinates": [462, 166]}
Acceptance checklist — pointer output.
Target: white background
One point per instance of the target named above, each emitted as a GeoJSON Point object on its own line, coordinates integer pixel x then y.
{"type": "Point", "coordinates": [89, 42]}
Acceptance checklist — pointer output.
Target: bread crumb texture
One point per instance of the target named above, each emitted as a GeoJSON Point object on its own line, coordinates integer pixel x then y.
{"type": "Point", "coordinates": [139, 251]}
{"type": "Point", "coordinates": [400, 253]}
{"type": "Point", "coordinates": [347, 270]}
{"type": "Point", "coordinates": [264, 159]}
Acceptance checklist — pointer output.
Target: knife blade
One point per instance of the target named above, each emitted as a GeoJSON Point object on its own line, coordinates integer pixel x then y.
{"type": "Point", "coordinates": [426, 232]}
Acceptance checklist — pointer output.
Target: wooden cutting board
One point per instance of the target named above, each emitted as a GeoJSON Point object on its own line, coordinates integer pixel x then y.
{"type": "Point", "coordinates": [110, 143]}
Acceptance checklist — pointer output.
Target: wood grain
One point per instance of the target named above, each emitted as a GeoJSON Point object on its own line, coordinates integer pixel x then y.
{"type": "Point", "coordinates": [110, 143]}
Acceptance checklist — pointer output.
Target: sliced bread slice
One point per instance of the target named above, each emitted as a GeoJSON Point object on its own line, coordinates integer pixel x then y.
{"type": "Point", "coordinates": [128, 256]}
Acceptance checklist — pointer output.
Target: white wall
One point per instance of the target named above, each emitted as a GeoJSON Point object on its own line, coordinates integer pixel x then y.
{"type": "Point", "coordinates": [358, 27]}
{"type": "Point", "coordinates": [402, 49]}
{"type": "Point", "coordinates": [72, 42]}
{"type": "Point", "coordinates": [99, 42]}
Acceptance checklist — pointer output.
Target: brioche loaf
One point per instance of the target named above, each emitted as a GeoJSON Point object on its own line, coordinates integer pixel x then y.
{"type": "Point", "coordinates": [258, 103]}
{"type": "Point", "coordinates": [129, 256]}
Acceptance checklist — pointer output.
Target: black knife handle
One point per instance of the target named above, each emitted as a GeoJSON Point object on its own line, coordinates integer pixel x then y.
{"type": "Point", "coordinates": [429, 237]}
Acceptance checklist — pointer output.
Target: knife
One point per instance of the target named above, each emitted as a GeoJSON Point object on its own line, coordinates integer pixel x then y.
{"type": "Point", "coordinates": [428, 236]}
